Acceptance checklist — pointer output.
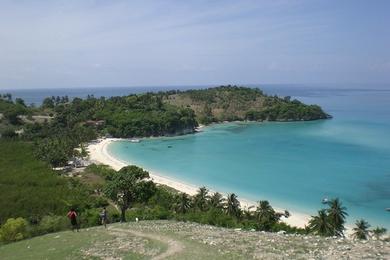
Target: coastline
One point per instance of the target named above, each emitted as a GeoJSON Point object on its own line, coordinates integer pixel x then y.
{"type": "Point", "coordinates": [99, 154]}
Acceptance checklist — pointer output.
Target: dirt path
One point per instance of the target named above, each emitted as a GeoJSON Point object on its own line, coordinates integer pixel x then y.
{"type": "Point", "coordinates": [174, 246]}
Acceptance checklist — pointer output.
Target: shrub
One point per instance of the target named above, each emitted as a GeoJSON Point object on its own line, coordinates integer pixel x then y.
{"type": "Point", "coordinates": [13, 230]}
{"type": "Point", "coordinates": [53, 223]}
{"type": "Point", "coordinates": [144, 213]}
{"type": "Point", "coordinates": [100, 202]}
{"type": "Point", "coordinates": [211, 217]}
{"type": "Point", "coordinates": [8, 133]}
{"type": "Point", "coordinates": [90, 217]}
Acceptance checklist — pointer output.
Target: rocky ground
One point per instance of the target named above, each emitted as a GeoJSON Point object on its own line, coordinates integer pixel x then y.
{"type": "Point", "coordinates": [177, 240]}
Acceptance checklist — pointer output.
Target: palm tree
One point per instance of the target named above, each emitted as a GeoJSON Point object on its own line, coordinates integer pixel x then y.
{"type": "Point", "coordinates": [216, 201]}
{"type": "Point", "coordinates": [379, 231]}
{"type": "Point", "coordinates": [248, 212]}
{"type": "Point", "coordinates": [336, 215]}
{"type": "Point", "coordinates": [266, 215]}
{"type": "Point", "coordinates": [183, 203]}
{"type": "Point", "coordinates": [233, 206]}
{"type": "Point", "coordinates": [264, 211]}
{"type": "Point", "coordinates": [361, 229]}
{"type": "Point", "coordinates": [320, 224]}
{"type": "Point", "coordinates": [201, 199]}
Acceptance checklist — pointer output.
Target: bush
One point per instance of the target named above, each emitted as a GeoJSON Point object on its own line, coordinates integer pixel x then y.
{"type": "Point", "coordinates": [154, 213]}
{"type": "Point", "coordinates": [89, 218]}
{"type": "Point", "coordinates": [101, 170]}
{"type": "Point", "coordinates": [100, 202]}
{"type": "Point", "coordinates": [53, 223]}
{"type": "Point", "coordinates": [211, 217]}
{"type": "Point", "coordinates": [8, 133]}
{"type": "Point", "coordinates": [115, 216]}
{"type": "Point", "coordinates": [13, 230]}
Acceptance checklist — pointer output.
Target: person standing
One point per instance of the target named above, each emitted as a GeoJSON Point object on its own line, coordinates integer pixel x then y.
{"type": "Point", "coordinates": [103, 216]}
{"type": "Point", "coordinates": [72, 215]}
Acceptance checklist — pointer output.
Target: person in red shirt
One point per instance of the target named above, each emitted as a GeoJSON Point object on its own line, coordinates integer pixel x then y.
{"type": "Point", "coordinates": [72, 215]}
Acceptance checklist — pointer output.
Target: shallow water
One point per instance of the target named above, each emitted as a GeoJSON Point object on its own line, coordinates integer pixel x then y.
{"type": "Point", "coordinates": [294, 165]}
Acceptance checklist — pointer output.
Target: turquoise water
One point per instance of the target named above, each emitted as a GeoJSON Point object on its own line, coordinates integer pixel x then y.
{"type": "Point", "coordinates": [293, 165]}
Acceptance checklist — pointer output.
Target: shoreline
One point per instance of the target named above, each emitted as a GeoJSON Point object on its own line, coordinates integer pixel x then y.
{"type": "Point", "coordinates": [99, 154]}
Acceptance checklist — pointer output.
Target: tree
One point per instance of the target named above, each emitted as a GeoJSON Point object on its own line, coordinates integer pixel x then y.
{"type": "Point", "coordinates": [361, 229]}
{"type": "Point", "coordinates": [183, 203]}
{"type": "Point", "coordinates": [55, 151]}
{"type": "Point", "coordinates": [201, 199]}
{"type": "Point", "coordinates": [216, 201]}
{"type": "Point", "coordinates": [266, 215]}
{"type": "Point", "coordinates": [48, 103]}
{"type": "Point", "coordinates": [233, 207]}
{"type": "Point", "coordinates": [248, 212]}
{"type": "Point", "coordinates": [320, 224]}
{"type": "Point", "coordinates": [336, 215]}
{"type": "Point", "coordinates": [379, 231]}
{"type": "Point", "coordinates": [20, 101]}
{"type": "Point", "coordinates": [12, 116]}
{"type": "Point", "coordinates": [127, 186]}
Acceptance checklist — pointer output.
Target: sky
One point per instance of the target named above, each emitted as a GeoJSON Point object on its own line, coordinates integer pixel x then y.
{"type": "Point", "coordinates": [96, 43]}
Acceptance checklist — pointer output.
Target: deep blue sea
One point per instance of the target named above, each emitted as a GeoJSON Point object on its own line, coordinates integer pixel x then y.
{"type": "Point", "coordinates": [293, 165]}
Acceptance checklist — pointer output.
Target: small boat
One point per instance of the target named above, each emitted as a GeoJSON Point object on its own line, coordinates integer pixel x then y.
{"type": "Point", "coordinates": [135, 140]}
{"type": "Point", "coordinates": [387, 209]}
{"type": "Point", "coordinates": [169, 146]}
{"type": "Point", "coordinates": [325, 201]}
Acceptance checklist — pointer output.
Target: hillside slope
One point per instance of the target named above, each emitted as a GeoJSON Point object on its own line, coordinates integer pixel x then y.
{"type": "Point", "coordinates": [178, 240]}
{"type": "Point", "coordinates": [30, 189]}
{"type": "Point", "coordinates": [228, 103]}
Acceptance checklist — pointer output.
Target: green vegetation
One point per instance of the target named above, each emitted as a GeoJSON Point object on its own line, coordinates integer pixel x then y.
{"type": "Point", "coordinates": [128, 186]}
{"type": "Point", "coordinates": [228, 103]}
{"type": "Point", "coordinates": [378, 232]}
{"type": "Point", "coordinates": [209, 209]}
{"type": "Point", "coordinates": [30, 189]}
{"type": "Point", "coordinates": [35, 199]}
{"type": "Point", "coordinates": [60, 125]}
{"type": "Point", "coordinates": [330, 222]}
{"type": "Point", "coordinates": [13, 230]}
{"type": "Point", "coordinates": [65, 245]}
{"type": "Point", "coordinates": [361, 229]}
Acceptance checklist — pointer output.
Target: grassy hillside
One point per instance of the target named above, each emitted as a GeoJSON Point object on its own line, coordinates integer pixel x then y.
{"type": "Point", "coordinates": [241, 103]}
{"type": "Point", "coordinates": [29, 188]}
{"type": "Point", "coordinates": [178, 240]}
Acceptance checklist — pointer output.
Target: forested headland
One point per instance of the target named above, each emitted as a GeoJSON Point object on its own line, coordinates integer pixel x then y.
{"type": "Point", "coordinates": [60, 124]}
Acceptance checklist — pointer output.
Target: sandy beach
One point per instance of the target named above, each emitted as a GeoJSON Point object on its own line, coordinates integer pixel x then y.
{"type": "Point", "coordinates": [98, 154]}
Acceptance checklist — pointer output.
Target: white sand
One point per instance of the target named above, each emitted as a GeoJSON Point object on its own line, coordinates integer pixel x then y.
{"type": "Point", "coordinates": [98, 153]}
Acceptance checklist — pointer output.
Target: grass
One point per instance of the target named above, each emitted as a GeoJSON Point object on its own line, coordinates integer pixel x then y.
{"type": "Point", "coordinates": [64, 245]}
{"type": "Point", "coordinates": [100, 243]}
{"type": "Point", "coordinates": [185, 240]}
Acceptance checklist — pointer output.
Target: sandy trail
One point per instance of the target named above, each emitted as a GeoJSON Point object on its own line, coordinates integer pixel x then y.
{"type": "Point", "coordinates": [174, 246]}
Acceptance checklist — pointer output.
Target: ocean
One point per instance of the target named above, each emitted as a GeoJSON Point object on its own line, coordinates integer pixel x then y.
{"type": "Point", "coordinates": [293, 165]}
